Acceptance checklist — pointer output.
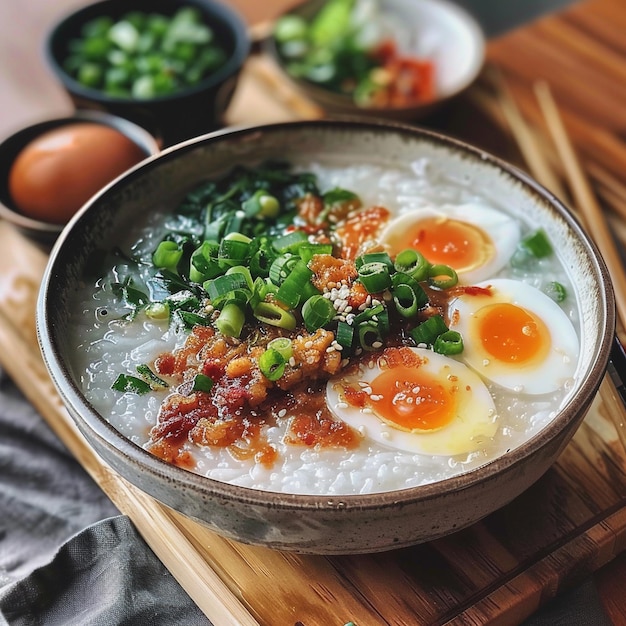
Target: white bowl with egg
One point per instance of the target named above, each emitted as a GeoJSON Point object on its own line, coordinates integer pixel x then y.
{"type": "Point", "coordinates": [404, 482]}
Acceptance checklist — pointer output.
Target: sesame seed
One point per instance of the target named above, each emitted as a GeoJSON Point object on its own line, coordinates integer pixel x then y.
{"type": "Point", "coordinates": [341, 405]}
{"type": "Point", "coordinates": [377, 344]}
{"type": "Point", "coordinates": [329, 349]}
{"type": "Point", "coordinates": [292, 361]}
{"type": "Point", "coordinates": [282, 413]}
{"type": "Point", "coordinates": [308, 344]}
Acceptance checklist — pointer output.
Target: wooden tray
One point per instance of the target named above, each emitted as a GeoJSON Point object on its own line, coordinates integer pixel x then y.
{"type": "Point", "coordinates": [500, 570]}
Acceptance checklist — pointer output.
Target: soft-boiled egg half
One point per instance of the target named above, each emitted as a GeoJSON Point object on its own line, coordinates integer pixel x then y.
{"type": "Point", "coordinates": [515, 336]}
{"type": "Point", "coordinates": [416, 400]}
{"type": "Point", "coordinates": [475, 240]}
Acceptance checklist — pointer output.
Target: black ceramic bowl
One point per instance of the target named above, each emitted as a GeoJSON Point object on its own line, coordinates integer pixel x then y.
{"type": "Point", "coordinates": [181, 115]}
{"type": "Point", "coordinates": [38, 230]}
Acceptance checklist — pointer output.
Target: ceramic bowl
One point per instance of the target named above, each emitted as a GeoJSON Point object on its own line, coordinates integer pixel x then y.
{"type": "Point", "coordinates": [310, 523]}
{"type": "Point", "coordinates": [39, 230]}
{"type": "Point", "coordinates": [441, 31]}
{"type": "Point", "coordinates": [174, 117]}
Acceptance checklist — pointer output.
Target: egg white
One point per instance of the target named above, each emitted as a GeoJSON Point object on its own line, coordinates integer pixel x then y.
{"type": "Point", "coordinates": [502, 230]}
{"type": "Point", "coordinates": [472, 427]}
{"type": "Point", "coordinates": [555, 371]}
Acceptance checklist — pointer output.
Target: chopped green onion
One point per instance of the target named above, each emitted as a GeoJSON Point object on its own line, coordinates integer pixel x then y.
{"type": "Point", "coordinates": [290, 242]}
{"type": "Point", "coordinates": [556, 291]}
{"type": "Point", "coordinates": [370, 336]}
{"type": "Point", "coordinates": [295, 285]}
{"type": "Point", "coordinates": [374, 277]}
{"type": "Point", "coordinates": [244, 271]}
{"type": "Point", "coordinates": [261, 261]}
{"type": "Point", "coordinates": [449, 342]}
{"type": "Point", "coordinates": [413, 263]}
{"type": "Point", "coordinates": [158, 311]}
{"type": "Point", "coordinates": [203, 263]}
{"type": "Point", "coordinates": [428, 331]}
{"type": "Point", "coordinates": [125, 382]}
{"type": "Point", "coordinates": [151, 378]}
{"type": "Point", "coordinates": [237, 236]}
{"type": "Point", "coordinates": [221, 286]}
{"type": "Point", "coordinates": [405, 300]}
{"type": "Point", "coordinates": [317, 311]}
{"type": "Point", "coordinates": [190, 319]}
{"type": "Point", "coordinates": [281, 267]}
{"type": "Point", "coordinates": [167, 255]}
{"type": "Point", "coordinates": [231, 319]}
{"type": "Point", "coordinates": [233, 251]}
{"type": "Point", "coordinates": [283, 346]}
{"type": "Point", "coordinates": [537, 244]}
{"type": "Point", "coordinates": [308, 250]}
{"type": "Point", "coordinates": [274, 315]}
{"type": "Point", "coordinates": [272, 364]}
{"type": "Point", "coordinates": [261, 203]}
{"type": "Point", "coordinates": [374, 257]}
{"type": "Point", "coordinates": [442, 276]}
{"type": "Point", "coordinates": [202, 382]}
{"type": "Point", "coordinates": [345, 334]}
{"type": "Point", "coordinates": [407, 303]}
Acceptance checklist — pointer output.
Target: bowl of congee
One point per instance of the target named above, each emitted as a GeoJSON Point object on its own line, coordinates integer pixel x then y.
{"type": "Point", "coordinates": [331, 336]}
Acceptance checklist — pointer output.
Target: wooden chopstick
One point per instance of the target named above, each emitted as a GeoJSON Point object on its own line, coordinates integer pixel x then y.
{"type": "Point", "coordinates": [585, 199]}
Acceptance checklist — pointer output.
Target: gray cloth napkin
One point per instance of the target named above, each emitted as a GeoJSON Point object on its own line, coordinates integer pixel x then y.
{"type": "Point", "coordinates": [64, 559]}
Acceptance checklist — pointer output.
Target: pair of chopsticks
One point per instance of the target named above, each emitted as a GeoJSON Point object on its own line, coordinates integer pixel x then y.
{"type": "Point", "coordinates": [590, 213]}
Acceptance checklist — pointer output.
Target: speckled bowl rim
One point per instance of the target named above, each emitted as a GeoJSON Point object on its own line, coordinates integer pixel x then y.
{"type": "Point", "coordinates": [111, 439]}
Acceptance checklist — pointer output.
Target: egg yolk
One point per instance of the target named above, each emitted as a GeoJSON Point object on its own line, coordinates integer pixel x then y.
{"type": "Point", "coordinates": [413, 399]}
{"type": "Point", "coordinates": [512, 334]}
{"type": "Point", "coordinates": [460, 245]}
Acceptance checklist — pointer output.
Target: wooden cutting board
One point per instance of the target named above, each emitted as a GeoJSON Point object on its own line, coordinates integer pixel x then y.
{"type": "Point", "coordinates": [570, 523]}
{"type": "Point", "coordinates": [563, 528]}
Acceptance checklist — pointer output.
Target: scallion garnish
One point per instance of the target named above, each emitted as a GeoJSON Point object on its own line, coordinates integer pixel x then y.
{"type": "Point", "coordinates": [317, 311]}
{"type": "Point", "coordinates": [556, 291]}
{"type": "Point", "coordinates": [158, 310]}
{"type": "Point", "coordinates": [428, 331]}
{"type": "Point", "coordinates": [413, 263]}
{"type": "Point", "coordinates": [231, 319]}
{"type": "Point", "coordinates": [274, 315]}
{"type": "Point", "coordinates": [442, 276]}
{"type": "Point", "coordinates": [375, 277]}
{"type": "Point", "coordinates": [296, 285]}
{"type": "Point", "coordinates": [408, 295]}
{"type": "Point", "coordinates": [202, 382]}
{"type": "Point", "coordinates": [167, 255]}
{"type": "Point", "coordinates": [345, 334]}
{"type": "Point", "coordinates": [537, 243]}
{"type": "Point", "coordinates": [151, 378]}
{"type": "Point", "coordinates": [370, 337]}
{"type": "Point", "coordinates": [126, 382]}
{"type": "Point", "coordinates": [282, 345]}
{"type": "Point", "coordinates": [272, 364]}
{"type": "Point", "coordinates": [448, 343]}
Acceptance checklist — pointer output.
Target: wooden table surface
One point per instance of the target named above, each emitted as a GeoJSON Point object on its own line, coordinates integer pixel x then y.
{"type": "Point", "coordinates": [580, 51]}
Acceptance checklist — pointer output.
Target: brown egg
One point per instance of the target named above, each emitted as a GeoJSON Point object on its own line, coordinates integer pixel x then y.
{"type": "Point", "coordinates": [57, 172]}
